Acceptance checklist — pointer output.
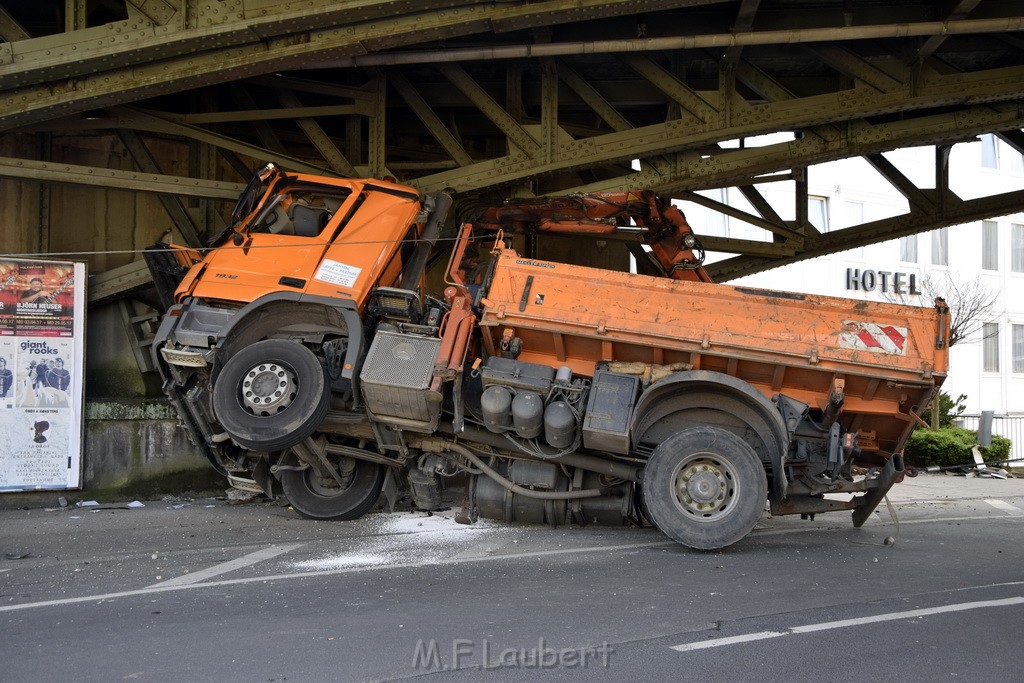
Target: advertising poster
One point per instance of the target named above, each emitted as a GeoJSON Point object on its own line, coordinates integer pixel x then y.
{"type": "Point", "coordinates": [42, 348]}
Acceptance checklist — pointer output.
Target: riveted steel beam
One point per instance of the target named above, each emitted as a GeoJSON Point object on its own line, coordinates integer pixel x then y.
{"type": "Point", "coordinates": [377, 151]}
{"type": "Point", "coordinates": [1014, 138]}
{"type": "Point", "coordinates": [696, 107]}
{"type": "Point", "coordinates": [298, 111]}
{"type": "Point", "coordinates": [252, 38]}
{"type": "Point", "coordinates": [264, 131]}
{"type": "Point", "coordinates": [138, 181]}
{"type": "Point", "coordinates": [137, 119]}
{"type": "Point", "coordinates": [549, 108]}
{"type": "Point", "coordinates": [760, 204]}
{"type": "Point", "coordinates": [744, 22]}
{"type": "Point", "coordinates": [696, 171]}
{"type": "Point", "coordinates": [429, 119]}
{"type": "Point", "coordinates": [321, 140]}
{"type": "Point", "coordinates": [592, 98]}
{"type": "Point", "coordinates": [773, 250]}
{"type": "Point", "coordinates": [497, 115]}
{"type": "Point", "coordinates": [959, 10]}
{"type": "Point", "coordinates": [607, 113]}
{"type": "Point", "coordinates": [172, 204]}
{"type": "Point", "coordinates": [917, 197]}
{"type": "Point", "coordinates": [157, 12]}
{"type": "Point", "coordinates": [205, 25]}
{"type": "Point", "coordinates": [10, 31]}
{"type": "Point", "coordinates": [953, 212]}
{"type": "Point", "coordinates": [779, 228]}
{"type": "Point", "coordinates": [850, 64]}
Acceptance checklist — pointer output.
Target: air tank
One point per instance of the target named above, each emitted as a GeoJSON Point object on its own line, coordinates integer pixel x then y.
{"type": "Point", "coordinates": [496, 406]}
{"type": "Point", "coordinates": [528, 414]}
{"type": "Point", "coordinates": [559, 425]}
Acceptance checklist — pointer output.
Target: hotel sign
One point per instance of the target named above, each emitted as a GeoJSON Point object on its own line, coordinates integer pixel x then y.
{"type": "Point", "coordinates": [885, 281]}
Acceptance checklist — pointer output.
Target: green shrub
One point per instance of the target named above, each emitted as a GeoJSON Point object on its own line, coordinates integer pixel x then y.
{"type": "Point", "coordinates": [951, 446]}
{"type": "Point", "coordinates": [949, 409]}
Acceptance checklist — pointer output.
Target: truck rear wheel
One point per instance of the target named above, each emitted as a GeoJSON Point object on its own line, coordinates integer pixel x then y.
{"type": "Point", "coordinates": [704, 487]}
{"type": "Point", "coordinates": [317, 498]}
{"type": "Point", "coordinates": [271, 395]}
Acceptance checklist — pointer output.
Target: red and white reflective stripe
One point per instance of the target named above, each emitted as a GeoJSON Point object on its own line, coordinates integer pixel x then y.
{"type": "Point", "coordinates": [873, 337]}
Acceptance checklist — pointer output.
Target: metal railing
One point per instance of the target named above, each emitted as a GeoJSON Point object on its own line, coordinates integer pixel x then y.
{"type": "Point", "coordinates": [1010, 426]}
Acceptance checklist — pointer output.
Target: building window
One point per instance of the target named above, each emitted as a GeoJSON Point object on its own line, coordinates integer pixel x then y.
{"type": "Point", "coordinates": [817, 212]}
{"type": "Point", "coordinates": [1017, 248]}
{"type": "Point", "coordinates": [854, 216]}
{"type": "Point", "coordinates": [940, 247]}
{"type": "Point", "coordinates": [1016, 162]}
{"type": "Point", "coordinates": [908, 249]}
{"type": "Point", "coordinates": [1018, 348]}
{"type": "Point", "coordinates": [989, 245]}
{"type": "Point", "coordinates": [990, 347]}
{"type": "Point", "coordinates": [989, 151]}
{"type": "Point", "coordinates": [715, 223]}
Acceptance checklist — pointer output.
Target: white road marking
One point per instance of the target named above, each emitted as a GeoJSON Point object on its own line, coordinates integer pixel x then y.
{"type": "Point", "coordinates": [846, 623]}
{"type": "Point", "coordinates": [1006, 507]}
{"type": "Point", "coordinates": [731, 640]}
{"type": "Point", "coordinates": [229, 566]}
{"type": "Point", "coordinates": [164, 587]}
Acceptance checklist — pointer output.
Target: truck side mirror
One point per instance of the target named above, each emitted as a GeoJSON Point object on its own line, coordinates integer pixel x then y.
{"type": "Point", "coordinates": [985, 428]}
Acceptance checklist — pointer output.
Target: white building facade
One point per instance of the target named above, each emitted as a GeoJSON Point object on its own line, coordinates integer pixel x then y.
{"type": "Point", "coordinates": [986, 257]}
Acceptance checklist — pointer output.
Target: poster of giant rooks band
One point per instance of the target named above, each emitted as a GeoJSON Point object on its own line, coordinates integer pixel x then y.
{"type": "Point", "coordinates": [42, 344]}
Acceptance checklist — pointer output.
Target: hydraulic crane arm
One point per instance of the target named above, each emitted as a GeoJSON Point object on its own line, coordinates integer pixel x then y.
{"type": "Point", "coordinates": [659, 224]}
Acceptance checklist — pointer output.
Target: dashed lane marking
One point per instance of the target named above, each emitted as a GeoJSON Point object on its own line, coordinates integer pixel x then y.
{"type": "Point", "coordinates": [165, 587]}
{"type": "Point", "coordinates": [846, 623]}
{"type": "Point", "coordinates": [1012, 510]}
{"type": "Point", "coordinates": [229, 566]}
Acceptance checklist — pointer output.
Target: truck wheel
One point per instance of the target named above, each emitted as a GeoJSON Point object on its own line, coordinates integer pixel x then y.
{"type": "Point", "coordinates": [315, 498]}
{"type": "Point", "coordinates": [704, 487]}
{"type": "Point", "coordinates": [271, 395]}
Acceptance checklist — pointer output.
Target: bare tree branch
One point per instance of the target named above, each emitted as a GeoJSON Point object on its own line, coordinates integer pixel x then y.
{"type": "Point", "coordinates": [971, 303]}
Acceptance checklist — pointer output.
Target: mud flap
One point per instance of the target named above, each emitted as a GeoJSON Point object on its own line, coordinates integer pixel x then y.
{"type": "Point", "coordinates": [390, 489]}
{"type": "Point", "coordinates": [891, 472]}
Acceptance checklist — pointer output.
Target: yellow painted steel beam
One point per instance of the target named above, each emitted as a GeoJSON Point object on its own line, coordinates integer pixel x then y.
{"type": "Point", "coordinates": [951, 212]}
{"type": "Point", "coordinates": [429, 118]}
{"type": "Point", "coordinates": [44, 80]}
{"type": "Point", "coordinates": [287, 112]}
{"type": "Point", "coordinates": [10, 31]}
{"type": "Point", "coordinates": [51, 172]}
{"type": "Point", "coordinates": [696, 171]}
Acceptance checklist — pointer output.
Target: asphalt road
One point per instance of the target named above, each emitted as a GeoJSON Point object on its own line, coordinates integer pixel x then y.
{"type": "Point", "coordinates": [216, 592]}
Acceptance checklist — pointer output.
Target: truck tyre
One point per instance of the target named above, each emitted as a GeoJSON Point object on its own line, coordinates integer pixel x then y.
{"type": "Point", "coordinates": [704, 487]}
{"type": "Point", "coordinates": [314, 499]}
{"type": "Point", "coordinates": [271, 395]}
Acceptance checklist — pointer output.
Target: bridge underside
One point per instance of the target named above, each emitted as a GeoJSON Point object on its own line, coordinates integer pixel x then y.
{"type": "Point", "coordinates": [183, 98]}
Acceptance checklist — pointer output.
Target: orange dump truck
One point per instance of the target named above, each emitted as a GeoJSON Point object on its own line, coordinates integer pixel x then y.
{"type": "Point", "coordinates": [304, 356]}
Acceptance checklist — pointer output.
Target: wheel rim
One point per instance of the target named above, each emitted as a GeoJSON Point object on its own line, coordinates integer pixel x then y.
{"type": "Point", "coordinates": [268, 388]}
{"type": "Point", "coordinates": [328, 488]}
{"type": "Point", "coordinates": [705, 487]}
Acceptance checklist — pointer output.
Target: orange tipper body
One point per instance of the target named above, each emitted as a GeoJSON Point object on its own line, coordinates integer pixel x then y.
{"type": "Point", "coordinates": [889, 358]}
{"type": "Point", "coordinates": [308, 360]}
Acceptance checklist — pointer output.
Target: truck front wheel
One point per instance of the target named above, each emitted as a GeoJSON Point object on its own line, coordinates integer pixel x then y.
{"type": "Point", "coordinates": [271, 395]}
{"type": "Point", "coordinates": [315, 497]}
{"type": "Point", "coordinates": [704, 487]}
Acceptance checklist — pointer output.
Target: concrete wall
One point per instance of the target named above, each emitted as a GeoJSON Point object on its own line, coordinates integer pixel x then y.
{"type": "Point", "coordinates": [135, 444]}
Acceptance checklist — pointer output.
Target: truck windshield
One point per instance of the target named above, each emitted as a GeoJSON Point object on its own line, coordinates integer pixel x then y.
{"type": "Point", "coordinates": [284, 206]}
{"type": "Point", "coordinates": [302, 209]}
